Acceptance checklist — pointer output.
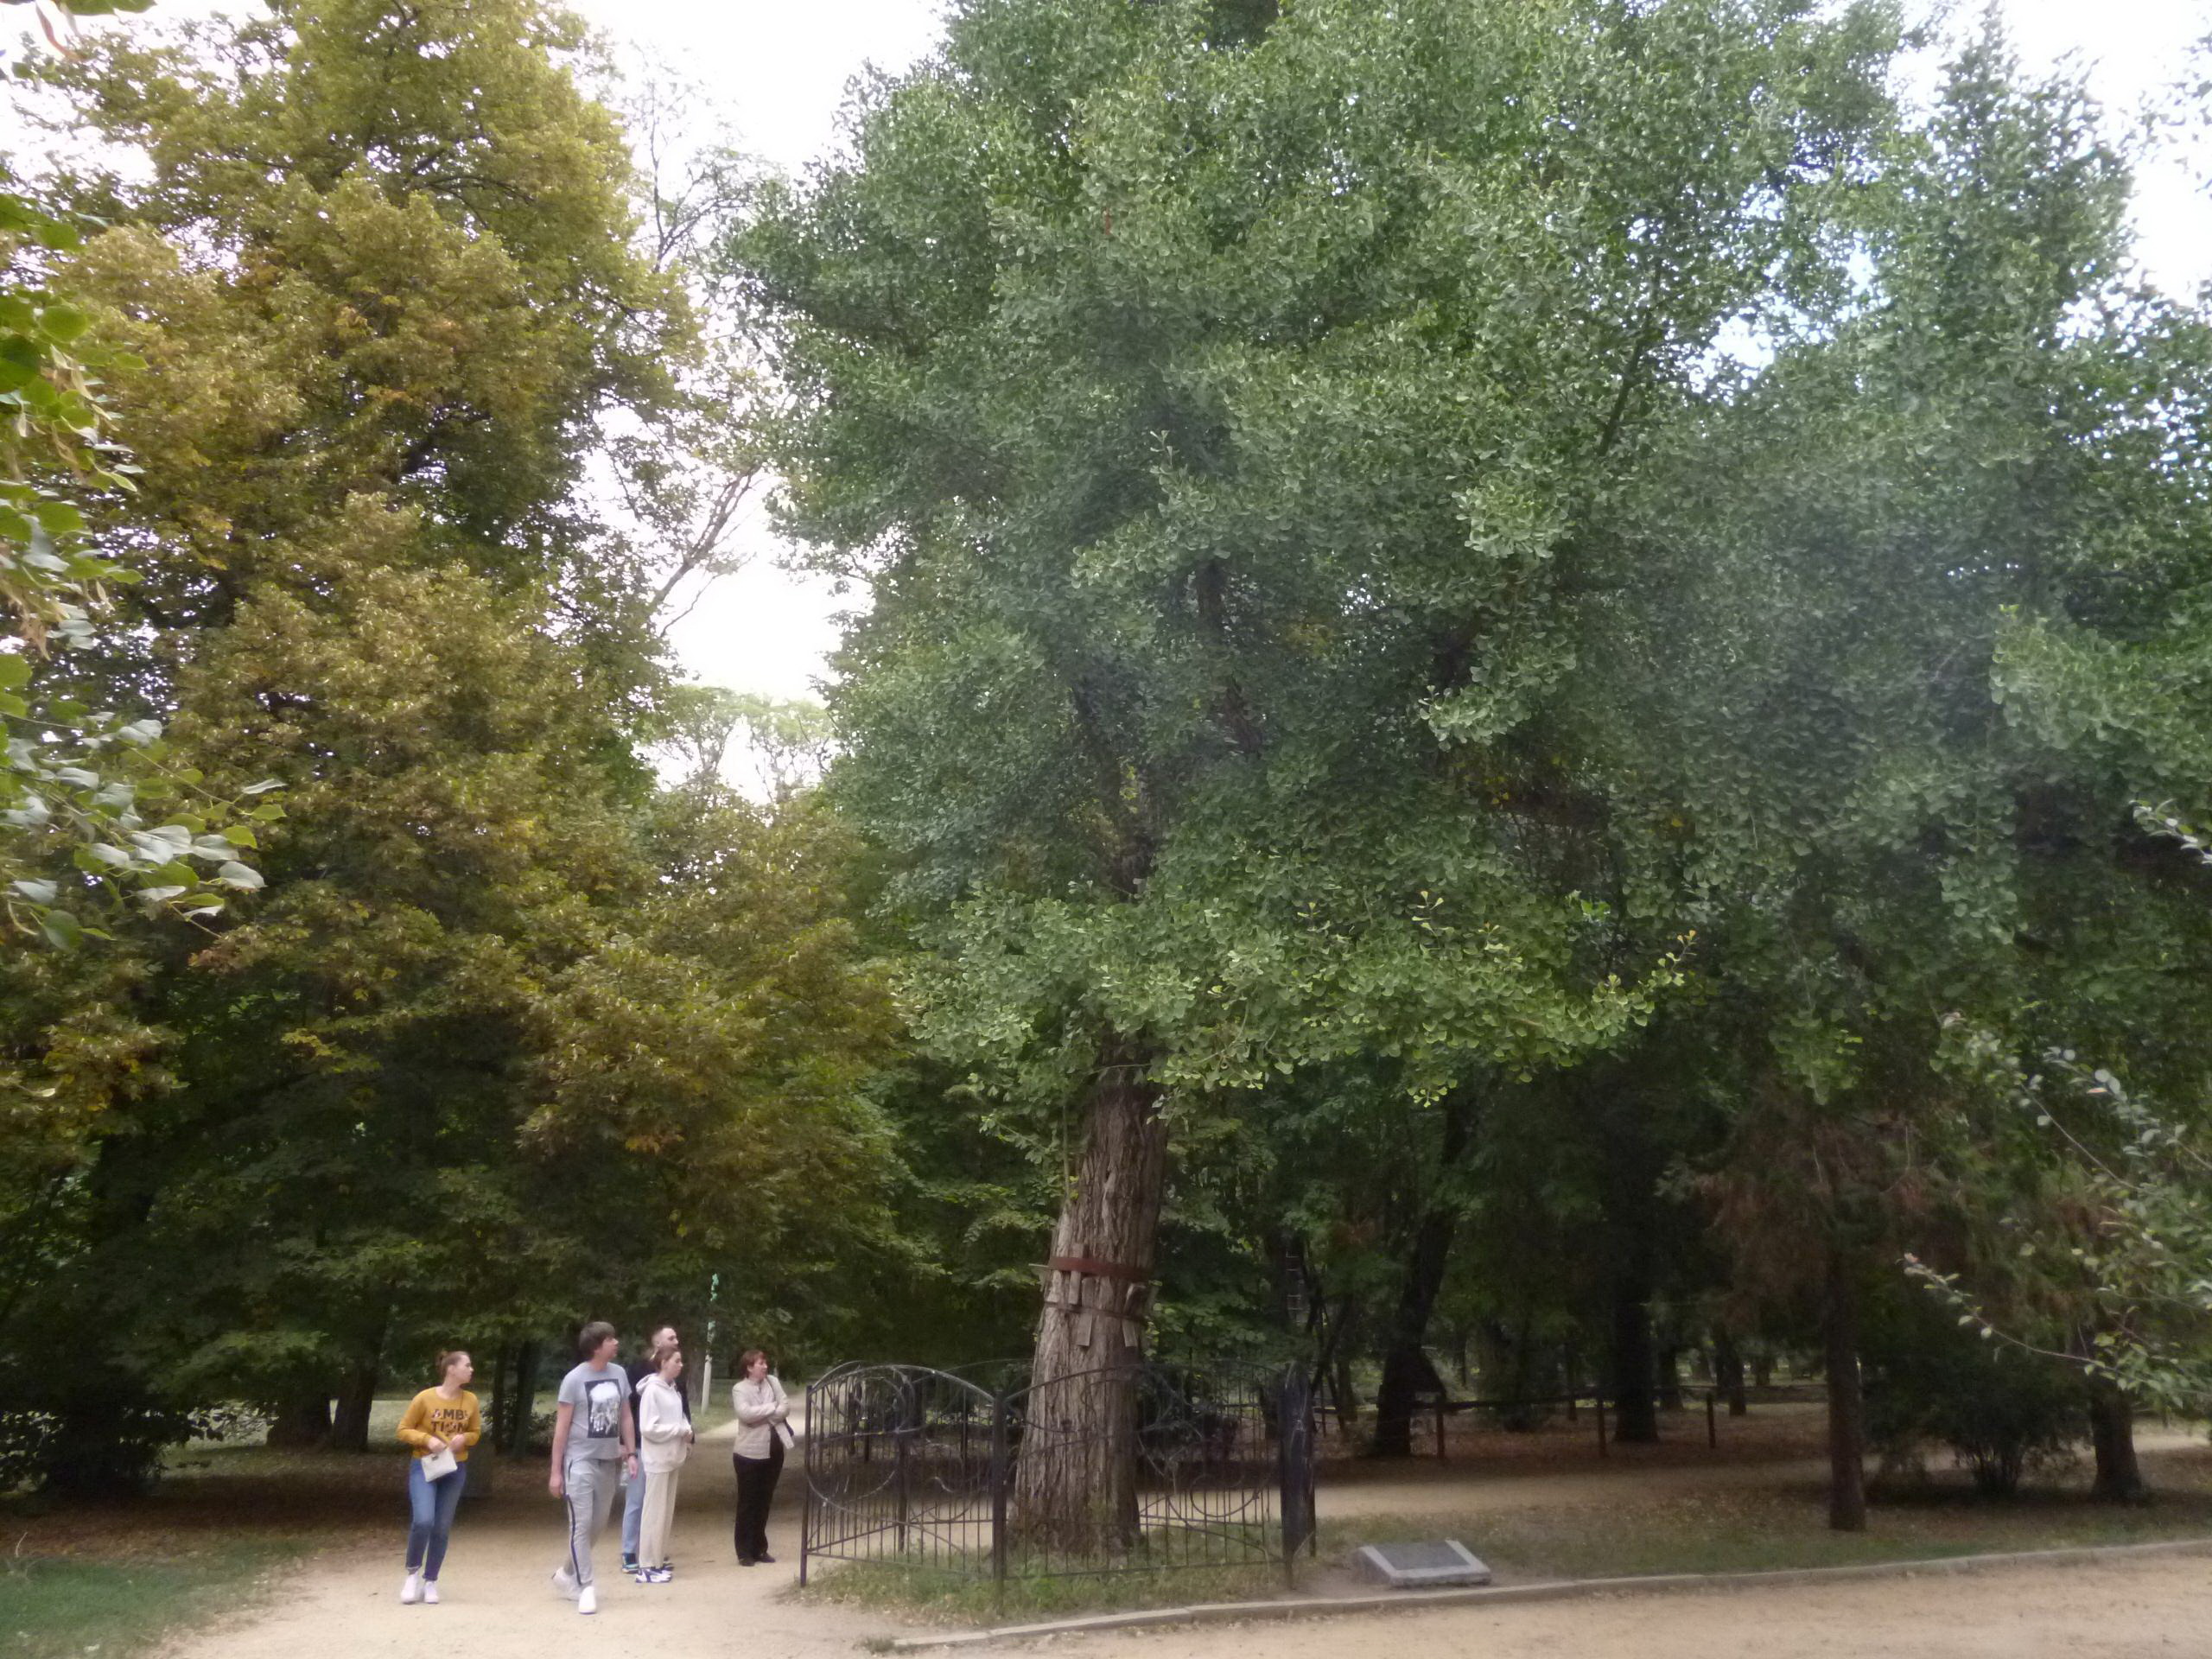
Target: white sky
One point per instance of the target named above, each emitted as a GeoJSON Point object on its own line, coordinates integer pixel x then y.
{"type": "Point", "coordinates": [782, 70]}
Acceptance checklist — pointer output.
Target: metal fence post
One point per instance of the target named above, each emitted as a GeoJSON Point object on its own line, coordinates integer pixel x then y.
{"type": "Point", "coordinates": [1601, 1425]}
{"type": "Point", "coordinates": [806, 1497]}
{"type": "Point", "coordinates": [899, 1437]}
{"type": "Point", "coordinates": [999, 1472]}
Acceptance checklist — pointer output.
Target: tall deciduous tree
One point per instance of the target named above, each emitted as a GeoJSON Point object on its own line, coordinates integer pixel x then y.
{"type": "Point", "coordinates": [1225, 407]}
{"type": "Point", "coordinates": [1908, 624]}
{"type": "Point", "coordinates": [511, 1030]}
{"type": "Point", "coordinates": [77, 780]}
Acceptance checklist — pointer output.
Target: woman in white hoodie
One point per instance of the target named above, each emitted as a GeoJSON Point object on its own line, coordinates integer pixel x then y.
{"type": "Point", "coordinates": [665, 1440]}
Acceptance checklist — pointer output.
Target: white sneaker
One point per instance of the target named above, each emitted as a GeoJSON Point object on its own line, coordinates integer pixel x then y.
{"type": "Point", "coordinates": [410, 1588]}
{"type": "Point", "coordinates": [429, 1595]}
{"type": "Point", "coordinates": [565, 1582]}
{"type": "Point", "coordinates": [588, 1599]}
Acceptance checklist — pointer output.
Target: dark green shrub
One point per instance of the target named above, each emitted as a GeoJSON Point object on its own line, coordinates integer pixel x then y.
{"type": "Point", "coordinates": [90, 1433]}
{"type": "Point", "coordinates": [2000, 1412]}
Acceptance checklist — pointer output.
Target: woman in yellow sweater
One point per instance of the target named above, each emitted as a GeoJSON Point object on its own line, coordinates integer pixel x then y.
{"type": "Point", "coordinates": [440, 1424]}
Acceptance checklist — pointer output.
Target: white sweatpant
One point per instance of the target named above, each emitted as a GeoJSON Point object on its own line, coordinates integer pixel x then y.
{"type": "Point", "coordinates": [660, 1511]}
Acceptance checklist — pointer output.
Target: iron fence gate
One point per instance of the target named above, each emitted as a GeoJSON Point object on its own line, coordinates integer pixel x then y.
{"type": "Point", "coordinates": [1207, 1466]}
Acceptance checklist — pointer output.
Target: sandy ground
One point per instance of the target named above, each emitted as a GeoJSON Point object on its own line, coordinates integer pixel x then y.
{"type": "Point", "coordinates": [343, 1603]}
{"type": "Point", "coordinates": [497, 1601]}
{"type": "Point", "coordinates": [2143, 1610]}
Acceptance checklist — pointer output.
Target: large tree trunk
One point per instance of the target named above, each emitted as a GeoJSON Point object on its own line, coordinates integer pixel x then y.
{"type": "Point", "coordinates": [1075, 1488]}
{"type": "Point", "coordinates": [525, 1397]}
{"type": "Point", "coordinates": [1407, 1372]}
{"type": "Point", "coordinates": [302, 1420]}
{"type": "Point", "coordinates": [1332, 1368]}
{"type": "Point", "coordinates": [357, 1392]}
{"type": "Point", "coordinates": [1636, 1420]}
{"type": "Point", "coordinates": [2112, 1431]}
{"type": "Point", "coordinates": [514, 1391]}
{"type": "Point", "coordinates": [1340, 1387]}
{"type": "Point", "coordinates": [1728, 1372]}
{"type": "Point", "coordinates": [1517, 1369]}
{"type": "Point", "coordinates": [1847, 1405]}
{"type": "Point", "coordinates": [502, 1398]}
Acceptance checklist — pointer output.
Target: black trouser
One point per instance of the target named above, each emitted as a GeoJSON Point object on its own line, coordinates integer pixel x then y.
{"type": "Point", "coordinates": [756, 1489]}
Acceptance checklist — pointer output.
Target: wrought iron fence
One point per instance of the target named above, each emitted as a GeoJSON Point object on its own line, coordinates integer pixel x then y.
{"type": "Point", "coordinates": [1136, 1468]}
{"type": "Point", "coordinates": [898, 1462]}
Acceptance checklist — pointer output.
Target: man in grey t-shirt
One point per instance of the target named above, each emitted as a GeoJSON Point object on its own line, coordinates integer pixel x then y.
{"type": "Point", "coordinates": [595, 1438]}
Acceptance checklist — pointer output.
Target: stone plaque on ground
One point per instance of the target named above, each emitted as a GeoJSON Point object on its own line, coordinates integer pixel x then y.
{"type": "Point", "coordinates": [1422, 1565]}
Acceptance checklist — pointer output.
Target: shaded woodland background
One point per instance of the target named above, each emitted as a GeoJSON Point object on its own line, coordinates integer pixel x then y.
{"type": "Point", "coordinates": [1534, 684]}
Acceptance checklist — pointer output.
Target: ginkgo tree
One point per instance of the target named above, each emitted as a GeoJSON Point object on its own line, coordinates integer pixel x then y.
{"type": "Point", "coordinates": [1225, 406]}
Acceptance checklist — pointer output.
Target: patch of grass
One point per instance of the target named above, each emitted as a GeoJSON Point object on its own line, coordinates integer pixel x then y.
{"type": "Point", "coordinates": [1770, 1529]}
{"type": "Point", "coordinates": [51, 1606]}
{"type": "Point", "coordinates": [1731, 1525]}
{"type": "Point", "coordinates": [946, 1596]}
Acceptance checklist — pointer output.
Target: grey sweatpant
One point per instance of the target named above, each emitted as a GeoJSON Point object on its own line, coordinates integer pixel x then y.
{"type": "Point", "coordinates": [591, 1484]}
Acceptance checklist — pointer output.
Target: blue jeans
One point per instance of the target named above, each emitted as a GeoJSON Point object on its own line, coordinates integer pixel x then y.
{"type": "Point", "coordinates": [430, 1505]}
{"type": "Point", "coordinates": [633, 1515]}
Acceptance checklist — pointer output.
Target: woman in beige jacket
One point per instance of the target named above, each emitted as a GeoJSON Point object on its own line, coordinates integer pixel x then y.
{"type": "Point", "coordinates": [764, 1430]}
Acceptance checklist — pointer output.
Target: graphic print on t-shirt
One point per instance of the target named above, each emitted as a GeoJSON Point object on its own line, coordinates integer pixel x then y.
{"type": "Point", "coordinates": [448, 1421]}
{"type": "Point", "coordinates": [603, 1396]}
{"type": "Point", "coordinates": [594, 1397]}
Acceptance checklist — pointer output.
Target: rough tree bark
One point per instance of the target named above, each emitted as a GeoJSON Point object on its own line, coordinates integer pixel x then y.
{"type": "Point", "coordinates": [1636, 1418]}
{"type": "Point", "coordinates": [1728, 1372]}
{"type": "Point", "coordinates": [2112, 1431]}
{"type": "Point", "coordinates": [357, 1394]}
{"type": "Point", "coordinates": [1074, 1488]}
{"type": "Point", "coordinates": [501, 1399]}
{"type": "Point", "coordinates": [513, 1392]}
{"type": "Point", "coordinates": [1340, 1387]}
{"type": "Point", "coordinates": [302, 1420]}
{"type": "Point", "coordinates": [525, 1397]}
{"type": "Point", "coordinates": [1332, 1366]}
{"type": "Point", "coordinates": [1517, 1369]}
{"type": "Point", "coordinates": [1407, 1372]}
{"type": "Point", "coordinates": [1846, 1404]}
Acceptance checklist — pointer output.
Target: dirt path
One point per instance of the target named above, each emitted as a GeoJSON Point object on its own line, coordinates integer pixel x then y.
{"type": "Point", "coordinates": [497, 1602]}
{"type": "Point", "coordinates": [343, 1603]}
{"type": "Point", "coordinates": [497, 1607]}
